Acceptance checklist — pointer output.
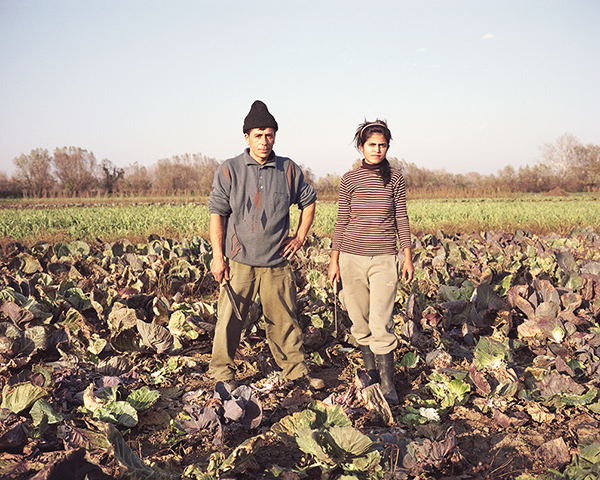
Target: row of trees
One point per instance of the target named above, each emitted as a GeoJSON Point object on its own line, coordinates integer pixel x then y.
{"type": "Point", "coordinates": [70, 170]}
{"type": "Point", "coordinates": [73, 171]}
{"type": "Point", "coordinates": [565, 163]}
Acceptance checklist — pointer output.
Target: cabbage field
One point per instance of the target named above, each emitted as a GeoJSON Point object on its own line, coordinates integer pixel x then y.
{"type": "Point", "coordinates": [106, 332]}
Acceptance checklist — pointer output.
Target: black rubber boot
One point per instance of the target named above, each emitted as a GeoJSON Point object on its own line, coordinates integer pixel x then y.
{"type": "Point", "coordinates": [370, 365]}
{"type": "Point", "coordinates": [385, 365]}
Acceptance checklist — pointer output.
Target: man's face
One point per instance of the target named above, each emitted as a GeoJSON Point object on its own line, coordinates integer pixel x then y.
{"type": "Point", "coordinates": [261, 143]}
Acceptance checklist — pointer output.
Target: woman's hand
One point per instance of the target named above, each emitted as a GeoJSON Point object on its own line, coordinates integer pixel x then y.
{"type": "Point", "coordinates": [334, 273]}
{"type": "Point", "coordinates": [334, 267]}
{"type": "Point", "coordinates": [408, 270]}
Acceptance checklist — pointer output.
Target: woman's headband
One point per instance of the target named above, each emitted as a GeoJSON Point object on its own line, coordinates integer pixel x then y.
{"type": "Point", "coordinates": [372, 125]}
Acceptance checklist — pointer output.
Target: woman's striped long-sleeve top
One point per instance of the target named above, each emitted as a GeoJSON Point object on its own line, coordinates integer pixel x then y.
{"type": "Point", "coordinates": [372, 217]}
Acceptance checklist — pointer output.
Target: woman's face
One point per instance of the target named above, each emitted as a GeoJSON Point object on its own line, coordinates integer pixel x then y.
{"type": "Point", "coordinates": [375, 149]}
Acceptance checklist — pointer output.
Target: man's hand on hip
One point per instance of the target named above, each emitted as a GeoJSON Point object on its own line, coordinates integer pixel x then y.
{"type": "Point", "coordinates": [290, 246]}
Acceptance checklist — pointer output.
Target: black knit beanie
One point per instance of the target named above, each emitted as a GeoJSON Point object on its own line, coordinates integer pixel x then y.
{"type": "Point", "coordinates": [259, 117]}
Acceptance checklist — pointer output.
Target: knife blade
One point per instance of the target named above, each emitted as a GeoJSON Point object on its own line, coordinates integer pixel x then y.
{"type": "Point", "coordinates": [236, 310]}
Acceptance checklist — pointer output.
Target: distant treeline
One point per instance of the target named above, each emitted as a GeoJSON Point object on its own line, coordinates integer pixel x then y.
{"type": "Point", "coordinates": [74, 172]}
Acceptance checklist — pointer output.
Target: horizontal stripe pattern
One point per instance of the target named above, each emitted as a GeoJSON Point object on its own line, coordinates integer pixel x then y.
{"type": "Point", "coordinates": [372, 217]}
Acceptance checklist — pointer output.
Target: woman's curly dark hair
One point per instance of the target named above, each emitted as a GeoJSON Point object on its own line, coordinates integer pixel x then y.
{"type": "Point", "coordinates": [364, 132]}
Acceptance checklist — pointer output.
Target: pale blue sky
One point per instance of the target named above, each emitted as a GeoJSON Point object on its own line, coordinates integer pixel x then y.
{"type": "Point", "coordinates": [465, 85]}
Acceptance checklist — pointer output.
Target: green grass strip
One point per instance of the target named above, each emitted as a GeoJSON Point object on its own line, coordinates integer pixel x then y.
{"type": "Point", "coordinates": [541, 216]}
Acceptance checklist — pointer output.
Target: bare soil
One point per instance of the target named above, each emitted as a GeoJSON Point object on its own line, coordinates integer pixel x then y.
{"type": "Point", "coordinates": [483, 449]}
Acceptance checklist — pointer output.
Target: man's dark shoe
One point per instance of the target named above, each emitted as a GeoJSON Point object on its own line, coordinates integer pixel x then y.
{"type": "Point", "coordinates": [306, 382]}
{"type": "Point", "coordinates": [232, 384]}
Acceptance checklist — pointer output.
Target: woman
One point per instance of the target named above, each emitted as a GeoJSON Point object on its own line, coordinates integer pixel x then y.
{"type": "Point", "coordinates": [372, 218]}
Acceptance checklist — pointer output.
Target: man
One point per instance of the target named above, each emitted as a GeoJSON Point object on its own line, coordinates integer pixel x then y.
{"type": "Point", "coordinates": [249, 233]}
